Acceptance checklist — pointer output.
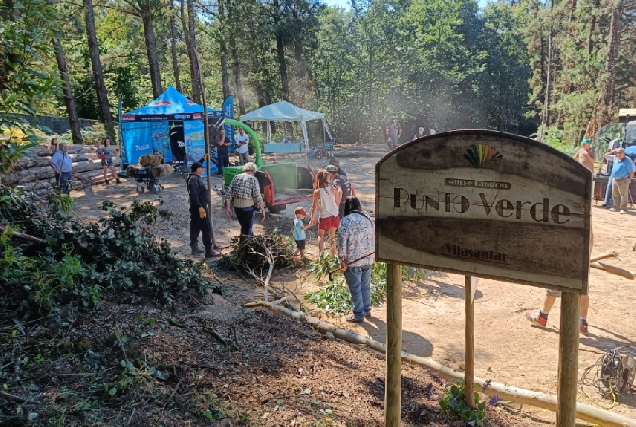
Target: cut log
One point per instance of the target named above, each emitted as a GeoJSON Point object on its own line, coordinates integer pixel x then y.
{"type": "Point", "coordinates": [631, 275]}
{"type": "Point", "coordinates": [605, 255]}
{"type": "Point", "coordinates": [514, 394]}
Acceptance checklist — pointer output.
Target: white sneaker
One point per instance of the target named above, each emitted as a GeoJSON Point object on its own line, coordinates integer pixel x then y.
{"type": "Point", "coordinates": [612, 209]}
{"type": "Point", "coordinates": [623, 211]}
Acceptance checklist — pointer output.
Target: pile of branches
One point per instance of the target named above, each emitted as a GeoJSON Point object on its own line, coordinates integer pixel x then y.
{"type": "Point", "coordinates": [50, 258]}
{"type": "Point", "coordinates": [256, 253]}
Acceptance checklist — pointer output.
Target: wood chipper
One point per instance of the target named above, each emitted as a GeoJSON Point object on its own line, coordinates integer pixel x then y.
{"type": "Point", "coordinates": [281, 184]}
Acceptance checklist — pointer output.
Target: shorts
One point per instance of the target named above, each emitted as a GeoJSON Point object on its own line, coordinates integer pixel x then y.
{"type": "Point", "coordinates": [553, 293]}
{"type": "Point", "coordinates": [107, 162]}
{"type": "Point", "coordinates": [300, 244]}
{"type": "Point", "coordinates": [329, 222]}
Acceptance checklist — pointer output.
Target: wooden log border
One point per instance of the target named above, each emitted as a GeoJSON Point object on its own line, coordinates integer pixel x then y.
{"type": "Point", "coordinates": [514, 394]}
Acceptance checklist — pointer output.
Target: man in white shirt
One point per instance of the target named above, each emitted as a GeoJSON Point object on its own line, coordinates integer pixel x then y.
{"type": "Point", "coordinates": [242, 146]}
{"type": "Point", "coordinates": [63, 167]}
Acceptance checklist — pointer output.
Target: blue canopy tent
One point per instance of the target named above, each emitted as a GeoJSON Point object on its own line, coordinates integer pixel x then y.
{"type": "Point", "coordinates": [171, 125]}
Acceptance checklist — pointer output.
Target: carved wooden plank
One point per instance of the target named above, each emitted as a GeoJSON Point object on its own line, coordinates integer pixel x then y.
{"type": "Point", "coordinates": [486, 204]}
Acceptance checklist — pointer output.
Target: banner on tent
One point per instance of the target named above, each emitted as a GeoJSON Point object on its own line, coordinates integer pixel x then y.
{"type": "Point", "coordinates": [195, 145]}
{"type": "Point", "coordinates": [137, 141]}
{"type": "Point", "coordinates": [161, 140]}
{"type": "Point", "coordinates": [228, 112]}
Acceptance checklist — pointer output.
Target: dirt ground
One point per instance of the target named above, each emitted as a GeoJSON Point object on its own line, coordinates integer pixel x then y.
{"type": "Point", "coordinates": [507, 348]}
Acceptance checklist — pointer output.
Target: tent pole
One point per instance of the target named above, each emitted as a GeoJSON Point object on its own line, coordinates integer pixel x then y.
{"type": "Point", "coordinates": [207, 150]}
{"type": "Point", "coordinates": [121, 138]}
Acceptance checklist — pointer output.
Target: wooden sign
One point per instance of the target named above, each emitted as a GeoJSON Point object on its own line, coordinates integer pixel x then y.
{"type": "Point", "coordinates": [486, 204]}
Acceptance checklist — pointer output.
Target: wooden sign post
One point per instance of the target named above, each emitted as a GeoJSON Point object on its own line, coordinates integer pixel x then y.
{"type": "Point", "coordinates": [485, 204]}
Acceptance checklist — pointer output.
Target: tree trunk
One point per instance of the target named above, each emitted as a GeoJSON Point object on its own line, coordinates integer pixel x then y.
{"type": "Point", "coordinates": [191, 43]}
{"type": "Point", "coordinates": [151, 50]}
{"type": "Point", "coordinates": [612, 54]}
{"type": "Point", "coordinates": [282, 66]}
{"type": "Point", "coordinates": [236, 69]}
{"type": "Point", "coordinates": [98, 73]}
{"type": "Point", "coordinates": [69, 99]}
{"type": "Point", "coordinates": [225, 77]}
{"type": "Point", "coordinates": [173, 48]}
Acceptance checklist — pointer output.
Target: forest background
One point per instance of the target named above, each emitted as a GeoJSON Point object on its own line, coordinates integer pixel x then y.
{"type": "Point", "coordinates": [557, 68]}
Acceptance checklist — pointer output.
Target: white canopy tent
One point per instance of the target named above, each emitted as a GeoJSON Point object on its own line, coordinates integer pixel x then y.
{"type": "Point", "coordinates": [284, 111]}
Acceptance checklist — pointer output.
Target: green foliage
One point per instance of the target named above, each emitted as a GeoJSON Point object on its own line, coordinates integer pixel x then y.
{"type": "Point", "coordinates": [334, 296]}
{"type": "Point", "coordinates": [454, 405]}
{"type": "Point", "coordinates": [80, 263]}
{"type": "Point", "coordinates": [24, 83]}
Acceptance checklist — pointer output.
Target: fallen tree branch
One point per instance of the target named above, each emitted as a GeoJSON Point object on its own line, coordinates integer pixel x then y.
{"type": "Point", "coordinates": [599, 257]}
{"type": "Point", "coordinates": [514, 394]}
{"type": "Point", "coordinates": [13, 397]}
{"type": "Point", "coordinates": [22, 235]}
{"type": "Point", "coordinates": [218, 336]}
{"type": "Point", "coordinates": [614, 270]}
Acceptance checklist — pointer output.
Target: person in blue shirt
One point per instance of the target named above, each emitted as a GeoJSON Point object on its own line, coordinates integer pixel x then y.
{"type": "Point", "coordinates": [622, 174]}
{"type": "Point", "coordinates": [63, 167]}
{"type": "Point", "coordinates": [300, 236]}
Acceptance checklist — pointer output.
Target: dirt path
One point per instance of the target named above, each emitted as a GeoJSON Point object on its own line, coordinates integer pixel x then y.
{"type": "Point", "coordinates": [507, 348]}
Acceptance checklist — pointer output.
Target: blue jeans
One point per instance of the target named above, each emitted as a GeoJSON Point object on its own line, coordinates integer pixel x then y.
{"type": "Point", "coordinates": [359, 282]}
{"type": "Point", "coordinates": [608, 193]}
{"type": "Point", "coordinates": [65, 180]}
{"type": "Point", "coordinates": [244, 157]}
{"type": "Point", "coordinates": [245, 217]}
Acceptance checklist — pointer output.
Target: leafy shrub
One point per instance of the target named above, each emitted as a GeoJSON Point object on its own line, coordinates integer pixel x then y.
{"type": "Point", "coordinates": [79, 263]}
{"type": "Point", "coordinates": [334, 296]}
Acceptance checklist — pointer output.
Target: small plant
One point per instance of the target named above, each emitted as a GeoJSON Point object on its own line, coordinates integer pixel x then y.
{"type": "Point", "coordinates": [454, 405]}
{"type": "Point", "coordinates": [334, 296]}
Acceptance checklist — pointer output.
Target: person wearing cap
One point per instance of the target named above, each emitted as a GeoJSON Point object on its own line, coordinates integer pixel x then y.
{"type": "Point", "coordinates": [586, 154]}
{"type": "Point", "coordinates": [324, 209]}
{"type": "Point", "coordinates": [395, 133]}
{"type": "Point", "coordinates": [342, 182]}
{"type": "Point", "coordinates": [245, 193]}
{"type": "Point", "coordinates": [300, 237]}
{"type": "Point", "coordinates": [199, 215]}
{"type": "Point", "coordinates": [336, 163]}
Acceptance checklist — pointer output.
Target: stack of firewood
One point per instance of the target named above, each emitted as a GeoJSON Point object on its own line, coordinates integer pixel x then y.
{"type": "Point", "coordinates": [33, 171]}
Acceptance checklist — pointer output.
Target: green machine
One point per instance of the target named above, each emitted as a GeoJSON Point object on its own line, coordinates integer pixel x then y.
{"type": "Point", "coordinates": [297, 180]}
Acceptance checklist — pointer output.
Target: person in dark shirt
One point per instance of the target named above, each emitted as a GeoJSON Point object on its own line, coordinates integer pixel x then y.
{"type": "Point", "coordinates": [222, 144]}
{"type": "Point", "coordinates": [341, 182]}
{"type": "Point", "coordinates": [199, 215]}
{"type": "Point", "coordinates": [336, 163]}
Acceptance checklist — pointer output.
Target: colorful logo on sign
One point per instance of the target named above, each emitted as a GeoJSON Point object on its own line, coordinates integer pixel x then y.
{"type": "Point", "coordinates": [196, 116]}
{"type": "Point", "coordinates": [479, 155]}
{"type": "Point", "coordinates": [161, 103]}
